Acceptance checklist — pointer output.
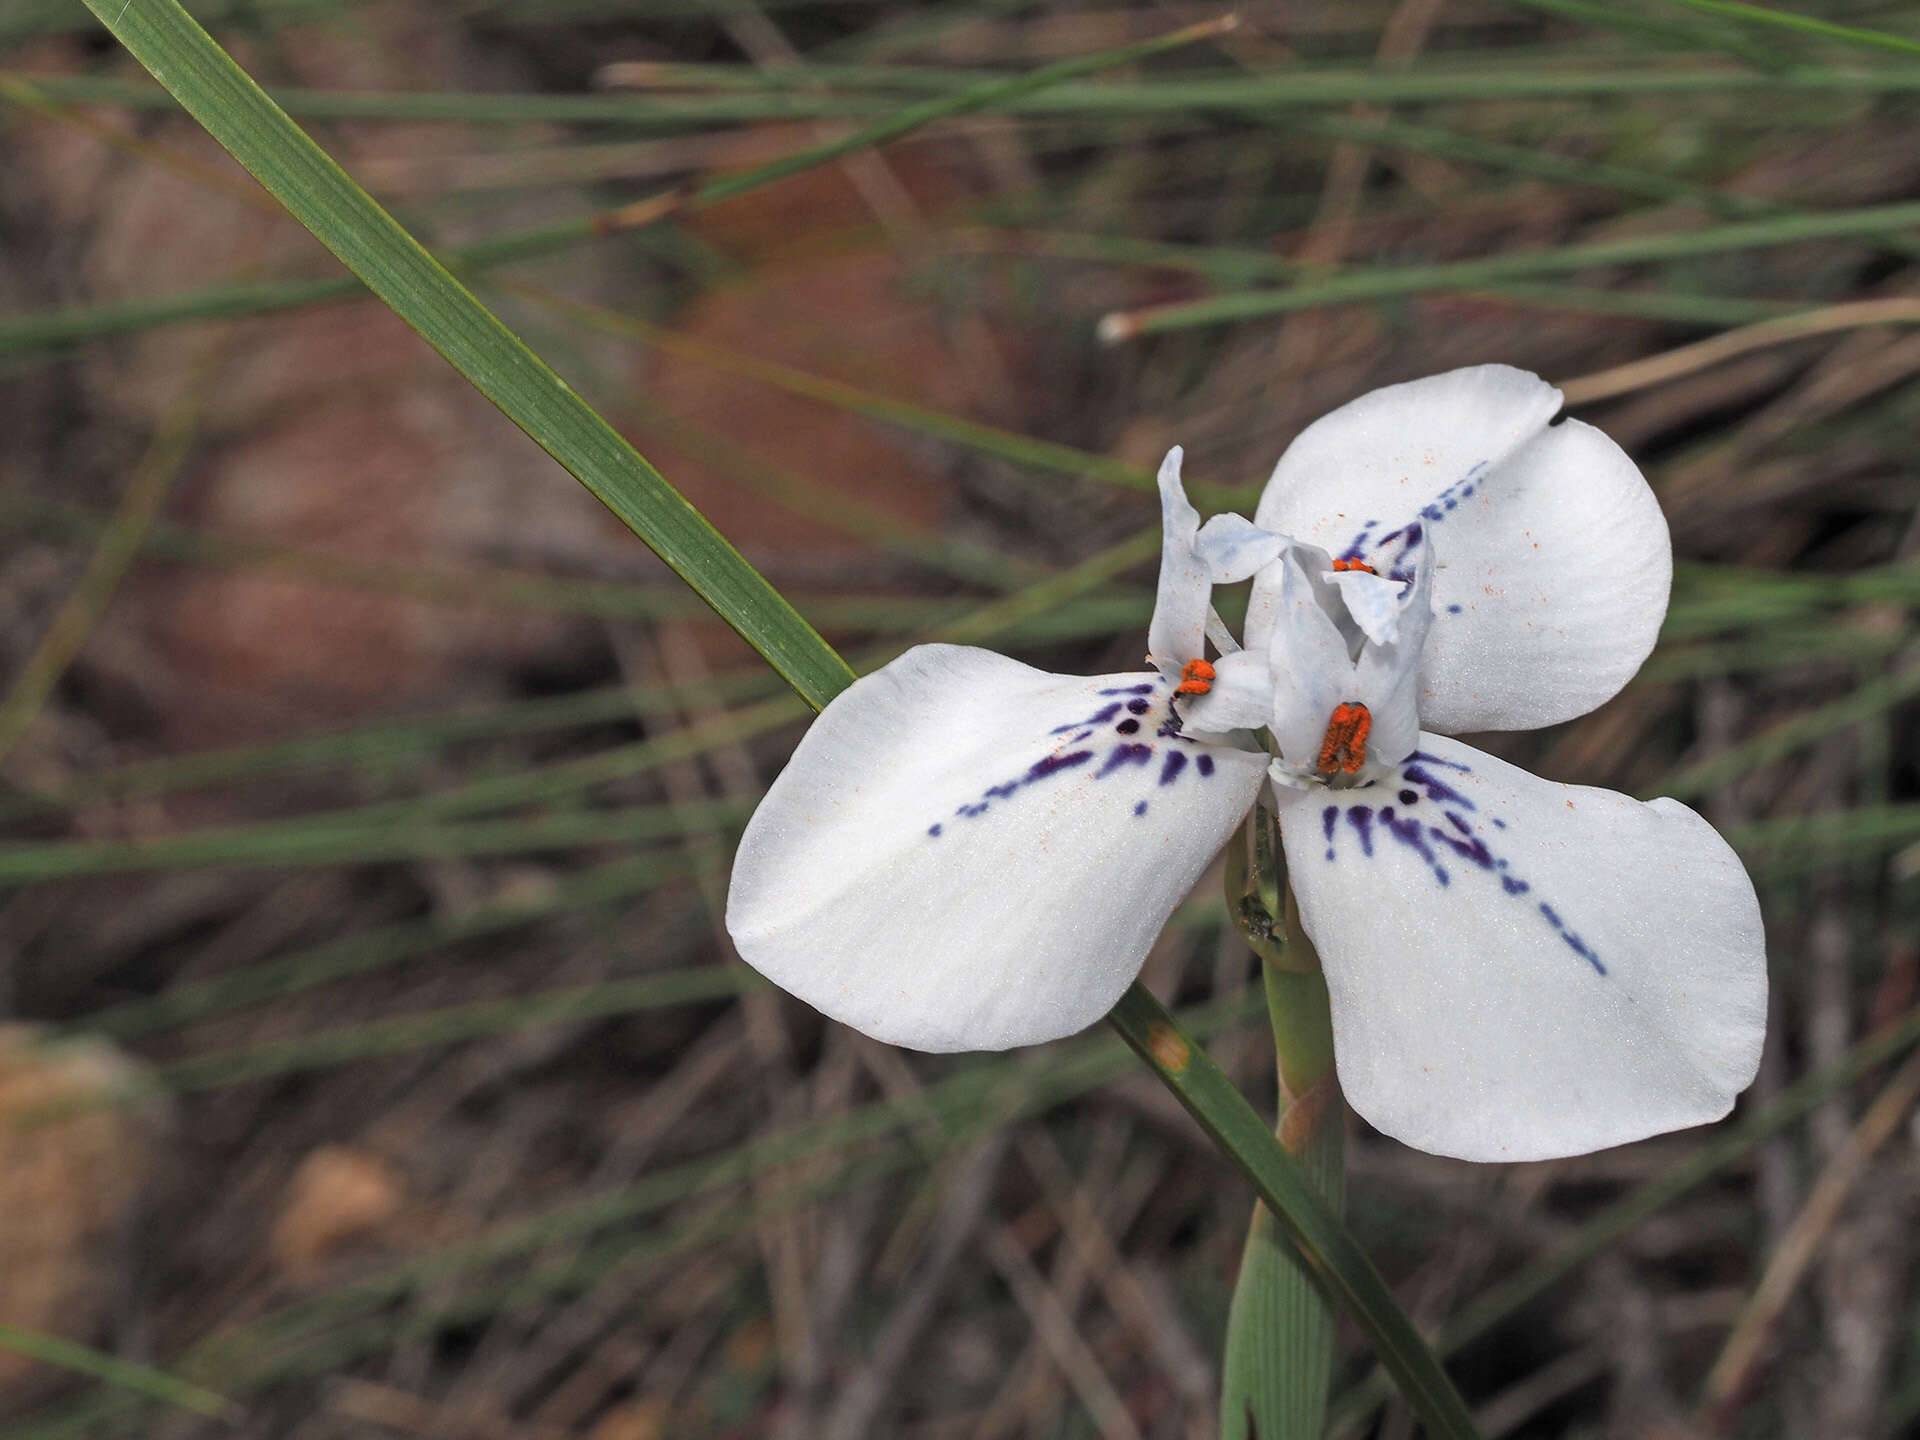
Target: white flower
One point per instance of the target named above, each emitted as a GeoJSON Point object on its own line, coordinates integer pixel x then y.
{"type": "Point", "coordinates": [966, 853]}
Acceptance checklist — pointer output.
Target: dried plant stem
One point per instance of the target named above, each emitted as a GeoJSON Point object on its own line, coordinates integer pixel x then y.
{"type": "Point", "coordinates": [119, 542]}
{"type": "Point", "coordinates": [1672, 364]}
{"type": "Point", "coordinates": [1727, 1381]}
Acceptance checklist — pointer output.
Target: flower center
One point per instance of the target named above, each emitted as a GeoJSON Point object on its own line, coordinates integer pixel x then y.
{"type": "Point", "coordinates": [1344, 747]}
{"type": "Point", "coordinates": [1196, 678]}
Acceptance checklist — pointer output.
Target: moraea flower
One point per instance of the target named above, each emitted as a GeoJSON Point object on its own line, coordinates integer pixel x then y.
{"type": "Point", "coordinates": [966, 853]}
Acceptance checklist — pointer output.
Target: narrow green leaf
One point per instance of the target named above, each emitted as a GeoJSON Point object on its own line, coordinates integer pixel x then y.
{"type": "Point", "coordinates": [122, 1374]}
{"type": "Point", "coordinates": [1804, 25]}
{"type": "Point", "coordinates": [1499, 78]}
{"type": "Point", "coordinates": [397, 1034]}
{"type": "Point", "coordinates": [1385, 282]}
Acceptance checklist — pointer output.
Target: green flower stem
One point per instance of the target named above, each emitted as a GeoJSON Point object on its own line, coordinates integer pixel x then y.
{"type": "Point", "coordinates": [1326, 1250]}
{"type": "Point", "coordinates": [1281, 1327]}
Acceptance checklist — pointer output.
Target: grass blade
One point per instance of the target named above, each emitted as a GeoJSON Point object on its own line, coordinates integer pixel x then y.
{"type": "Point", "coordinates": [124, 1375]}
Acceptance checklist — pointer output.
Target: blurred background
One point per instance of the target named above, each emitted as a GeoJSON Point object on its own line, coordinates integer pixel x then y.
{"type": "Point", "coordinates": [373, 1061]}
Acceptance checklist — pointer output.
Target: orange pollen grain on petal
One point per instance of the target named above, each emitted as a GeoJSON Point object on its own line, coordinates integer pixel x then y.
{"type": "Point", "coordinates": [1354, 565]}
{"type": "Point", "coordinates": [1344, 748]}
{"type": "Point", "coordinates": [1196, 678]}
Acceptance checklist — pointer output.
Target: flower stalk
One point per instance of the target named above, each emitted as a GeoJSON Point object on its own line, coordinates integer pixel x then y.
{"type": "Point", "coordinates": [1278, 1363]}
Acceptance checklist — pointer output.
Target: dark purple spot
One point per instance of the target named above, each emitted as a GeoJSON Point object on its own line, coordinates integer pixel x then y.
{"type": "Point", "coordinates": [1204, 764]}
{"type": "Point", "coordinates": [1146, 689]}
{"type": "Point", "coordinates": [1552, 918]}
{"type": "Point", "coordinates": [1455, 609]}
{"type": "Point", "coordinates": [1437, 790]}
{"type": "Point", "coordinates": [1422, 755]}
{"type": "Point", "coordinates": [1099, 717]}
{"type": "Point", "coordinates": [1127, 727]}
{"type": "Point", "coordinates": [1498, 823]}
{"type": "Point", "coordinates": [1081, 736]}
{"type": "Point", "coordinates": [1138, 707]}
{"type": "Point", "coordinates": [1407, 797]}
{"type": "Point", "coordinates": [1360, 817]}
{"type": "Point", "coordinates": [933, 830]}
{"type": "Point", "coordinates": [1466, 492]}
{"type": "Point", "coordinates": [1170, 769]}
{"type": "Point", "coordinates": [1460, 824]}
{"type": "Point", "coordinates": [1123, 755]}
{"type": "Point", "coordinates": [1141, 808]}
{"type": "Point", "coordinates": [1329, 818]}
{"type": "Point", "coordinates": [1513, 886]}
{"type": "Point", "coordinates": [1413, 533]}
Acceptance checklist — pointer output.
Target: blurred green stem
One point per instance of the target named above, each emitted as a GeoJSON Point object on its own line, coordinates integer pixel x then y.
{"type": "Point", "coordinates": [1280, 1330]}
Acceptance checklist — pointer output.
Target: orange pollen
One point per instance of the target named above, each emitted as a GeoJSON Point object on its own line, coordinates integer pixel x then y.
{"type": "Point", "coordinates": [1354, 565]}
{"type": "Point", "coordinates": [1345, 745]}
{"type": "Point", "coordinates": [1196, 678]}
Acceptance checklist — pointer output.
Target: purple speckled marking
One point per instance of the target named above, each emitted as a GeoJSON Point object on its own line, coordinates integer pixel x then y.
{"type": "Point", "coordinates": [1473, 848]}
{"type": "Point", "coordinates": [1099, 717]}
{"type": "Point", "coordinates": [1574, 942]}
{"type": "Point", "coordinates": [1458, 835]}
{"type": "Point", "coordinates": [1373, 552]}
{"type": "Point", "coordinates": [1124, 755]}
{"type": "Point", "coordinates": [1437, 790]}
{"type": "Point", "coordinates": [1425, 758]}
{"type": "Point", "coordinates": [1007, 789]}
{"type": "Point", "coordinates": [1449, 498]}
{"type": "Point", "coordinates": [1127, 754]}
{"type": "Point", "coordinates": [1408, 833]}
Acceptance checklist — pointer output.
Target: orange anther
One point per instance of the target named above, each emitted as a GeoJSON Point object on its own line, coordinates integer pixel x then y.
{"type": "Point", "coordinates": [1345, 745]}
{"type": "Point", "coordinates": [1196, 678]}
{"type": "Point", "coordinates": [1354, 565]}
